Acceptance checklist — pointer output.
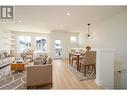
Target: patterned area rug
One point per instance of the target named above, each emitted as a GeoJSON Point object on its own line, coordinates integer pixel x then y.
{"type": "Point", "coordinates": [13, 80]}
{"type": "Point", "coordinates": [80, 75]}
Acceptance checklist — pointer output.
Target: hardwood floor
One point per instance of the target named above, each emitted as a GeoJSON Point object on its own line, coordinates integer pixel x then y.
{"type": "Point", "coordinates": [64, 79]}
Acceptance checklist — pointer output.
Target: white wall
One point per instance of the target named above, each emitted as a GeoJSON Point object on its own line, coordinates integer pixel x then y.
{"type": "Point", "coordinates": [64, 36]}
{"type": "Point", "coordinates": [85, 41]}
{"type": "Point", "coordinates": [6, 39]}
{"type": "Point", "coordinates": [105, 68]}
{"type": "Point", "coordinates": [112, 33]}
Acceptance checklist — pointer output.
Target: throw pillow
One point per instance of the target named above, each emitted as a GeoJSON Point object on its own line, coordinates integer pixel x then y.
{"type": "Point", "coordinates": [2, 55]}
{"type": "Point", "coordinates": [36, 62]}
{"type": "Point", "coordinates": [43, 60]}
{"type": "Point", "coordinates": [49, 60]}
{"type": "Point", "coordinates": [6, 54]}
{"type": "Point", "coordinates": [29, 52]}
{"type": "Point", "coordinates": [45, 55]}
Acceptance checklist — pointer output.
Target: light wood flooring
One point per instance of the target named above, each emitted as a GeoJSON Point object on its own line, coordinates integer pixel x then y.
{"type": "Point", "coordinates": [63, 78]}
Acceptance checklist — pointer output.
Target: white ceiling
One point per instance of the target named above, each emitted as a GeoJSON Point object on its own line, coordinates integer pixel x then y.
{"type": "Point", "coordinates": [49, 18]}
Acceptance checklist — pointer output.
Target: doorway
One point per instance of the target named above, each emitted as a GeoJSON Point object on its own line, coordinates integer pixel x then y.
{"type": "Point", "coordinates": [58, 49]}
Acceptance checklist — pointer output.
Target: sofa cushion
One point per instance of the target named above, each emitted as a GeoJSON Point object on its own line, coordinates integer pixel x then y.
{"type": "Point", "coordinates": [2, 55]}
{"type": "Point", "coordinates": [11, 59]}
{"type": "Point", "coordinates": [36, 62]}
{"type": "Point", "coordinates": [37, 58]}
{"type": "Point", "coordinates": [29, 52]}
{"type": "Point", "coordinates": [44, 55]}
{"type": "Point", "coordinates": [6, 54]}
{"type": "Point", "coordinates": [43, 60]}
{"type": "Point", "coordinates": [23, 54]}
{"type": "Point", "coordinates": [6, 60]}
{"type": "Point", "coordinates": [30, 64]}
{"type": "Point", "coordinates": [1, 62]}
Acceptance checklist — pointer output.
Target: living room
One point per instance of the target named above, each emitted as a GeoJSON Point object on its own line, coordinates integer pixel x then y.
{"type": "Point", "coordinates": [55, 31]}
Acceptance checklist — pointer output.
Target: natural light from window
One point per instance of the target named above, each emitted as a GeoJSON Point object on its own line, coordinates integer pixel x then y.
{"type": "Point", "coordinates": [73, 39]}
{"type": "Point", "coordinates": [40, 44]}
{"type": "Point", "coordinates": [23, 43]}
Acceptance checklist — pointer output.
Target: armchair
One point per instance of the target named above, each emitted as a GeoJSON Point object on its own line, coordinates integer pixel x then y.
{"type": "Point", "coordinates": [38, 75]}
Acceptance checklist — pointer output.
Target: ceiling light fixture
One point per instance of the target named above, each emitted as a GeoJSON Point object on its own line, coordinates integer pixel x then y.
{"type": "Point", "coordinates": [68, 14]}
{"type": "Point", "coordinates": [89, 36]}
{"type": "Point", "coordinates": [19, 21]}
{"type": "Point", "coordinates": [61, 26]}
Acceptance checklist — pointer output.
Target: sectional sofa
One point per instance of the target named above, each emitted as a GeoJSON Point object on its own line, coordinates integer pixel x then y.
{"type": "Point", "coordinates": [6, 58]}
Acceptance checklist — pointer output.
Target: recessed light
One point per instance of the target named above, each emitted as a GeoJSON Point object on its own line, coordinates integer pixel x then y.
{"type": "Point", "coordinates": [68, 14]}
{"type": "Point", "coordinates": [61, 26]}
{"type": "Point", "coordinates": [20, 21]}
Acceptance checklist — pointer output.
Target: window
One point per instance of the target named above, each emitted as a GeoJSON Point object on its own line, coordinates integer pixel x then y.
{"type": "Point", "coordinates": [58, 44]}
{"type": "Point", "coordinates": [58, 48]}
{"type": "Point", "coordinates": [40, 44]}
{"type": "Point", "coordinates": [73, 39]}
{"type": "Point", "coordinates": [24, 42]}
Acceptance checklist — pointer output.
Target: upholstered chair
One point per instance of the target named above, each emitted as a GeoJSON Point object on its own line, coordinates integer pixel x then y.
{"type": "Point", "coordinates": [72, 57]}
{"type": "Point", "coordinates": [29, 54]}
{"type": "Point", "coordinates": [39, 74]}
{"type": "Point", "coordinates": [89, 61]}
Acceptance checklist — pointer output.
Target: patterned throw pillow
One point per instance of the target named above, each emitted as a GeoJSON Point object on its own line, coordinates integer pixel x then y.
{"type": "Point", "coordinates": [45, 55]}
{"type": "Point", "coordinates": [5, 54]}
{"type": "Point", "coordinates": [43, 60]}
{"type": "Point", "coordinates": [29, 52]}
{"type": "Point", "coordinates": [36, 62]}
{"type": "Point", "coordinates": [23, 54]}
{"type": "Point", "coordinates": [1, 62]}
{"type": "Point", "coordinates": [2, 55]}
{"type": "Point", "coordinates": [49, 60]}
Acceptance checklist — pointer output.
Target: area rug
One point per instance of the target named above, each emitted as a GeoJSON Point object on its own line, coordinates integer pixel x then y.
{"type": "Point", "coordinates": [80, 75]}
{"type": "Point", "coordinates": [13, 80]}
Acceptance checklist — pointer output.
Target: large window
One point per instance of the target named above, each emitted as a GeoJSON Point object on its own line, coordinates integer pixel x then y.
{"type": "Point", "coordinates": [73, 39]}
{"type": "Point", "coordinates": [40, 44]}
{"type": "Point", "coordinates": [58, 48]}
{"type": "Point", "coordinates": [24, 42]}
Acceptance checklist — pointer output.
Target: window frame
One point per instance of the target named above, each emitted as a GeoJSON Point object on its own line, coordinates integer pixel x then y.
{"type": "Point", "coordinates": [25, 41]}
{"type": "Point", "coordinates": [73, 39]}
{"type": "Point", "coordinates": [41, 37]}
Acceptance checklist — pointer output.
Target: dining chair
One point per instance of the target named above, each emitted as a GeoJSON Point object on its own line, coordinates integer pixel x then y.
{"type": "Point", "coordinates": [72, 57]}
{"type": "Point", "coordinates": [89, 61]}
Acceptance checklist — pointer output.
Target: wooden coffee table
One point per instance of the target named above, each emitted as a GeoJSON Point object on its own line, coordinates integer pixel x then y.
{"type": "Point", "coordinates": [18, 66]}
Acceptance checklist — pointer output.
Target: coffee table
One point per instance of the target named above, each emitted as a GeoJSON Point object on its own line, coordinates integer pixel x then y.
{"type": "Point", "coordinates": [18, 66]}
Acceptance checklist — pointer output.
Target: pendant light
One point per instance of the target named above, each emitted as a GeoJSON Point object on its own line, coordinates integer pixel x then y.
{"type": "Point", "coordinates": [89, 36]}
